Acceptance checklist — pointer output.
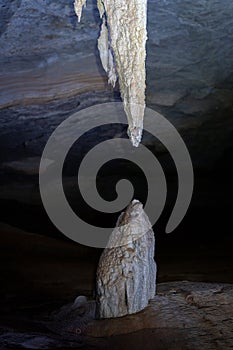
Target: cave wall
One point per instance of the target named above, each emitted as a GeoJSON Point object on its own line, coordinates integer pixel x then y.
{"type": "Point", "coordinates": [50, 68]}
{"type": "Point", "coordinates": [46, 54]}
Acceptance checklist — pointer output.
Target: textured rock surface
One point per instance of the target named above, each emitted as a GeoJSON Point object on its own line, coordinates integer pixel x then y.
{"type": "Point", "coordinates": [43, 55]}
{"type": "Point", "coordinates": [126, 274]}
{"type": "Point", "coordinates": [46, 54]}
{"type": "Point", "coordinates": [183, 315]}
{"type": "Point", "coordinates": [122, 43]}
{"type": "Point", "coordinates": [40, 274]}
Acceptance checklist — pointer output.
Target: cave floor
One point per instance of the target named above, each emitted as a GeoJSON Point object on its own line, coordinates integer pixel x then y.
{"type": "Point", "coordinates": [39, 274]}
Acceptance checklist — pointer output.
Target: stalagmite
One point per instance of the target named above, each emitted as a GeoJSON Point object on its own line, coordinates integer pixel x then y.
{"type": "Point", "coordinates": [126, 274]}
{"type": "Point", "coordinates": [122, 47]}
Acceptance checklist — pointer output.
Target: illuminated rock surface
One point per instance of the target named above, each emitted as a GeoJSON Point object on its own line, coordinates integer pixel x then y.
{"type": "Point", "coordinates": [122, 43]}
{"type": "Point", "coordinates": [126, 274]}
{"type": "Point", "coordinates": [47, 55]}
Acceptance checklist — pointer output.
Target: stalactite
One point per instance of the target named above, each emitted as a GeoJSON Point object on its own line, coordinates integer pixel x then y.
{"type": "Point", "coordinates": [122, 47]}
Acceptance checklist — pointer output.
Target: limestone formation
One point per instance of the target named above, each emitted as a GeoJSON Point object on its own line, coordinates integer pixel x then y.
{"type": "Point", "coordinates": [122, 47]}
{"type": "Point", "coordinates": [126, 274]}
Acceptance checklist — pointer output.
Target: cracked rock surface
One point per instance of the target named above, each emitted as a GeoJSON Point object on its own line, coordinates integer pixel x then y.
{"type": "Point", "coordinates": [122, 47]}
{"type": "Point", "coordinates": [126, 274]}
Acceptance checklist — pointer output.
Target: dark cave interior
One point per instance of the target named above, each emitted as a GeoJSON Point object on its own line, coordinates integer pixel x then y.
{"type": "Point", "coordinates": [48, 74]}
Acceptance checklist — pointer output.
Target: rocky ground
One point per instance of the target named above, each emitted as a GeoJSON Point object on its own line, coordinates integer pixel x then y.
{"type": "Point", "coordinates": [40, 274]}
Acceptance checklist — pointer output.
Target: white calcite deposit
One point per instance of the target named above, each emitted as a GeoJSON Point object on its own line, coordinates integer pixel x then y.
{"type": "Point", "coordinates": [126, 274]}
{"type": "Point", "coordinates": [122, 47]}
